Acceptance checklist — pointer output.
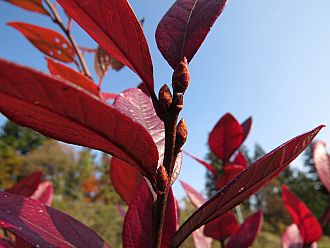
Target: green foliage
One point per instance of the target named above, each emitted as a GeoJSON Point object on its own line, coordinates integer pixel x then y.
{"type": "Point", "coordinates": [103, 219]}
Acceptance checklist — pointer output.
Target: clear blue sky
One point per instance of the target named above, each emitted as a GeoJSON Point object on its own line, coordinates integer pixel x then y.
{"type": "Point", "coordinates": [269, 59]}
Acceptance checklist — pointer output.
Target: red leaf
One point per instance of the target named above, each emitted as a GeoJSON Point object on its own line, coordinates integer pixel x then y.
{"type": "Point", "coordinates": [322, 163]}
{"type": "Point", "coordinates": [200, 240]}
{"type": "Point", "coordinates": [247, 233]}
{"type": "Point", "coordinates": [184, 27]}
{"type": "Point", "coordinates": [291, 238]}
{"type": "Point", "coordinates": [138, 106]}
{"type": "Point", "coordinates": [245, 184]}
{"type": "Point", "coordinates": [4, 243]}
{"type": "Point", "coordinates": [202, 162]}
{"type": "Point", "coordinates": [124, 178]}
{"type": "Point", "coordinates": [108, 96]}
{"type": "Point", "coordinates": [222, 227]}
{"type": "Point", "coordinates": [44, 193]}
{"type": "Point", "coordinates": [246, 127]}
{"type": "Point", "coordinates": [231, 171]}
{"type": "Point", "coordinates": [72, 76]}
{"type": "Point", "coordinates": [63, 111]}
{"type": "Point", "coordinates": [137, 230]}
{"type": "Point", "coordinates": [31, 5]}
{"type": "Point", "coordinates": [309, 227]}
{"type": "Point", "coordinates": [196, 198]}
{"type": "Point", "coordinates": [114, 26]}
{"type": "Point", "coordinates": [20, 243]}
{"type": "Point", "coordinates": [28, 185]}
{"type": "Point", "coordinates": [42, 226]}
{"type": "Point", "coordinates": [240, 160]}
{"type": "Point", "coordinates": [47, 41]}
{"type": "Point", "coordinates": [226, 137]}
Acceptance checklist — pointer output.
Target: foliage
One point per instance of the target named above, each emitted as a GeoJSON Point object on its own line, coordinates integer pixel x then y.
{"type": "Point", "coordinates": [139, 128]}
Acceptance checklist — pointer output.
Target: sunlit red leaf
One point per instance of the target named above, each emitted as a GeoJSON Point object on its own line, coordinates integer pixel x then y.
{"type": "Point", "coordinates": [122, 38]}
{"type": "Point", "coordinates": [63, 111]}
{"type": "Point", "coordinates": [47, 41]}
{"type": "Point", "coordinates": [42, 226]}
{"type": "Point", "coordinates": [322, 163]}
{"type": "Point", "coordinates": [44, 193]}
{"type": "Point", "coordinates": [31, 5]}
{"type": "Point", "coordinates": [28, 185]}
{"type": "Point", "coordinates": [137, 230]}
{"type": "Point", "coordinates": [184, 27]}
{"type": "Point", "coordinates": [200, 240]}
{"type": "Point", "coordinates": [72, 76]}
{"type": "Point", "coordinates": [138, 106]}
{"type": "Point", "coordinates": [222, 227]}
{"type": "Point", "coordinates": [291, 238]}
{"type": "Point", "coordinates": [245, 184]}
{"type": "Point", "coordinates": [240, 160]}
{"type": "Point", "coordinates": [202, 162]}
{"type": "Point", "coordinates": [226, 137]}
{"type": "Point", "coordinates": [230, 172]}
{"type": "Point", "coordinates": [247, 232]}
{"type": "Point", "coordinates": [108, 96]}
{"type": "Point", "coordinates": [196, 198]}
{"type": "Point", "coordinates": [309, 227]}
{"type": "Point", "coordinates": [124, 178]}
{"type": "Point", "coordinates": [246, 127]}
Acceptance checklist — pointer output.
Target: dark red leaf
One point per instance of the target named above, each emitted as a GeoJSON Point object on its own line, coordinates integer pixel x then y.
{"type": "Point", "coordinates": [310, 229]}
{"type": "Point", "coordinates": [322, 163]}
{"type": "Point", "coordinates": [137, 230]}
{"type": "Point", "coordinates": [246, 127]}
{"type": "Point", "coordinates": [47, 41]}
{"type": "Point", "coordinates": [240, 160]}
{"type": "Point", "coordinates": [42, 226]}
{"type": "Point", "coordinates": [124, 178]}
{"type": "Point", "coordinates": [184, 27]}
{"type": "Point", "coordinates": [44, 193]}
{"type": "Point", "coordinates": [72, 76]}
{"type": "Point", "coordinates": [138, 106]}
{"type": "Point", "coordinates": [63, 111]}
{"type": "Point", "coordinates": [196, 198]}
{"type": "Point", "coordinates": [245, 184]}
{"type": "Point", "coordinates": [325, 219]}
{"type": "Point", "coordinates": [226, 137]}
{"type": "Point", "coordinates": [114, 26]}
{"type": "Point", "coordinates": [20, 243]}
{"type": "Point", "coordinates": [28, 185]}
{"type": "Point", "coordinates": [230, 172]}
{"type": "Point", "coordinates": [247, 233]}
{"type": "Point", "coordinates": [31, 5]}
{"type": "Point", "coordinates": [222, 227]}
{"type": "Point", "coordinates": [202, 162]}
{"type": "Point", "coordinates": [4, 243]}
{"type": "Point", "coordinates": [291, 238]}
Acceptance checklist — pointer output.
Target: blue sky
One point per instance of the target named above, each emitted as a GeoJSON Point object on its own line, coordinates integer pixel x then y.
{"type": "Point", "coordinates": [265, 59]}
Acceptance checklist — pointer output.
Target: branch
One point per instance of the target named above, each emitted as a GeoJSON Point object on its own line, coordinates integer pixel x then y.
{"type": "Point", "coordinates": [57, 19]}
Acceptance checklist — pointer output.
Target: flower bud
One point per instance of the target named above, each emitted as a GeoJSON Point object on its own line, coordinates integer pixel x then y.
{"type": "Point", "coordinates": [161, 178]}
{"type": "Point", "coordinates": [165, 97]}
{"type": "Point", "coordinates": [181, 76]}
{"type": "Point", "coordinates": [181, 134]}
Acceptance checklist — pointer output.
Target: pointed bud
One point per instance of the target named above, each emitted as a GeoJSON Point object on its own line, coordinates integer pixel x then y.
{"type": "Point", "coordinates": [162, 178]}
{"type": "Point", "coordinates": [181, 134]}
{"type": "Point", "coordinates": [165, 97]}
{"type": "Point", "coordinates": [181, 76]}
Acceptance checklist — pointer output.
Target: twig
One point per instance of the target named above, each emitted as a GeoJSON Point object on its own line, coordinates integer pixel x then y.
{"type": "Point", "coordinates": [57, 19]}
